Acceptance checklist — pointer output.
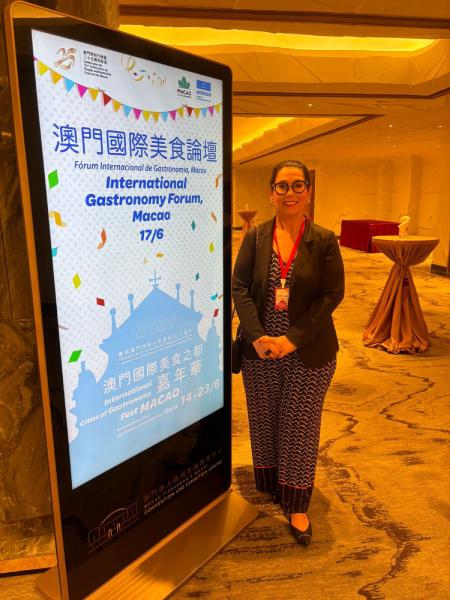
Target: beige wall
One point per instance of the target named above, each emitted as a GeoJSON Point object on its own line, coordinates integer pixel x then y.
{"type": "Point", "coordinates": [386, 188]}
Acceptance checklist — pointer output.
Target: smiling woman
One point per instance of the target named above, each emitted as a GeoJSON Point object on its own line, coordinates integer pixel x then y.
{"type": "Point", "coordinates": [287, 281]}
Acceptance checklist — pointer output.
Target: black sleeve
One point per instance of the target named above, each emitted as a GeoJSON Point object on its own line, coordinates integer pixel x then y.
{"type": "Point", "coordinates": [242, 283]}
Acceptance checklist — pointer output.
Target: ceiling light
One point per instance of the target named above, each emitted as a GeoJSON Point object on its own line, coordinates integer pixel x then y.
{"type": "Point", "coordinates": [208, 36]}
{"type": "Point", "coordinates": [390, 125]}
{"type": "Point", "coordinates": [310, 104]}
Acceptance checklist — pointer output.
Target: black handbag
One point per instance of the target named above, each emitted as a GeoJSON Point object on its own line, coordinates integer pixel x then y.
{"type": "Point", "coordinates": [237, 350]}
{"type": "Point", "coordinates": [236, 353]}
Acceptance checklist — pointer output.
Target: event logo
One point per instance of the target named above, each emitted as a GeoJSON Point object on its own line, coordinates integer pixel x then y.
{"type": "Point", "coordinates": [65, 58]}
{"type": "Point", "coordinates": [184, 88]}
{"type": "Point", "coordinates": [129, 64]}
{"type": "Point", "coordinates": [203, 90]}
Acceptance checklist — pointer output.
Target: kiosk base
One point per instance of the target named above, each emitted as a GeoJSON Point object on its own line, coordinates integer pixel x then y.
{"type": "Point", "coordinates": [194, 543]}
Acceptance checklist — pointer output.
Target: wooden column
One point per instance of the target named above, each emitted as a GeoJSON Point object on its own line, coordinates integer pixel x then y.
{"type": "Point", "coordinates": [26, 534]}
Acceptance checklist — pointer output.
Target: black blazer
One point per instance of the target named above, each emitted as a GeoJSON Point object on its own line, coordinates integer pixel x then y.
{"type": "Point", "coordinates": [316, 288]}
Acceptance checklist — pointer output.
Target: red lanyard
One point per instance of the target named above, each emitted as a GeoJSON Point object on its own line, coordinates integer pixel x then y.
{"type": "Point", "coordinates": [284, 268]}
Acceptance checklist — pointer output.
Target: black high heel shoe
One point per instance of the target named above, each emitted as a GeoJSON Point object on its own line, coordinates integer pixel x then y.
{"type": "Point", "coordinates": [302, 537]}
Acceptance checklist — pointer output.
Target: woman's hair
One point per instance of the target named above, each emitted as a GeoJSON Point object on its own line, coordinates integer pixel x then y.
{"type": "Point", "coordinates": [290, 163]}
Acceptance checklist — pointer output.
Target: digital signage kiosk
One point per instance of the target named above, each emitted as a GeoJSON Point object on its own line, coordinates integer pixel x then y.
{"type": "Point", "coordinates": [124, 152]}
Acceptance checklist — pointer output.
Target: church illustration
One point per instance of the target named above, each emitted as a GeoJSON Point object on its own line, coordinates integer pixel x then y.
{"type": "Point", "coordinates": [161, 377]}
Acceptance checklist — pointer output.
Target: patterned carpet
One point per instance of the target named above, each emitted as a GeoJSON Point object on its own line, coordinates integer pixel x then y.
{"type": "Point", "coordinates": [380, 509]}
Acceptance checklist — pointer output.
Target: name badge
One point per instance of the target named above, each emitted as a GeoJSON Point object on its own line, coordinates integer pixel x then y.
{"type": "Point", "coordinates": [281, 298]}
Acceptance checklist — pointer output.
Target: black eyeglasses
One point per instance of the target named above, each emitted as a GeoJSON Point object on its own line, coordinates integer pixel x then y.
{"type": "Point", "coordinates": [282, 188]}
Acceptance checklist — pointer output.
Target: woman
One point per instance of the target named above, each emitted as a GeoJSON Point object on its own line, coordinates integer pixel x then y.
{"type": "Point", "coordinates": [288, 279]}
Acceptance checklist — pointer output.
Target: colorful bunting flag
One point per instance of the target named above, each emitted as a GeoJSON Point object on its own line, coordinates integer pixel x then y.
{"type": "Point", "coordinates": [81, 89]}
{"type": "Point", "coordinates": [69, 84]}
{"type": "Point", "coordinates": [93, 93]}
{"type": "Point", "coordinates": [41, 68]}
{"type": "Point", "coordinates": [55, 77]}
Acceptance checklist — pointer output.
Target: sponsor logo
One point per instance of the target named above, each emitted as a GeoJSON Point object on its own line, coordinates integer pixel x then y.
{"type": "Point", "coordinates": [65, 58]}
{"type": "Point", "coordinates": [203, 90]}
{"type": "Point", "coordinates": [137, 74]}
{"type": "Point", "coordinates": [184, 88]}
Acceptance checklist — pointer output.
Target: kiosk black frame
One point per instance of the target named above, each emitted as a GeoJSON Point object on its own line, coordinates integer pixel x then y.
{"type": "Point", "coordinates": [77, 511]}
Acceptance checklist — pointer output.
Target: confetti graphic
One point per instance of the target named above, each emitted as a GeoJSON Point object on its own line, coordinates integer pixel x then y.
{"type": "Point", "coordinates": [103, 242]}
{"type": "Point", "coordinates": [146, 261]}
{"type": "Point", "coordinates": [54, 251]}
{"type": "Point", "coordinates": [214, 297]}
{"type": "Point", "coordinates": [62, 327]}
{"type": "Point", "coordinates": [54, 214]}
{"type": "Point", "coordinates": [193, 225]}
{"type": "Point", "coordinates": [216, 312]}
{"type": "Point", "coordinates": [218, 179]}
{"type": "Point", "coordinates": [159, 255]}
{"type": "Point", "coordinates": [53, 179]}
{"type": "Point", "coordinates": [76, 281]}
{"type": "Point", "coordinates": [100, 302]}
{"type": "Point", "coordinates": [197, 276]}
{"type": "Point", "coordinates": [75, 356]}
{"type": "Point", "coordinates": [213, 217]}
{"type": "Point", "coordinates": [211, 247]}
{"type": "Point", "coordinates": [221, 296]}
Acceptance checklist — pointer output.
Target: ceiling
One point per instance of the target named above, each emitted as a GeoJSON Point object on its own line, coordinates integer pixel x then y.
{"type": "Point", "coordinates": [336, 78]}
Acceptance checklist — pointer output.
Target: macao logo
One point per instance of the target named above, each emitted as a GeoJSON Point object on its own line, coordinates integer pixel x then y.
{"type": "Point", "coordinates": [184, 87]}
{"type": "Point", "coordinates": [184, 83]}
{"type": "Point", "coordinates": [136, 74]}
{"type": "Point", "coordinates": [65, 58]}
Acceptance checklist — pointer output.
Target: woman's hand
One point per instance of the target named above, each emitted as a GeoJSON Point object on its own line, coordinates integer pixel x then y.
{"type": "Point", "coordinates": [267, 347]}
{"type": "Point", "coordinates": [284, 345]}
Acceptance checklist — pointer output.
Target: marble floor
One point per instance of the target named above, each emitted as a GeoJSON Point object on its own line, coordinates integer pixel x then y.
{"type": "Point", "coordinates": [381, 507]}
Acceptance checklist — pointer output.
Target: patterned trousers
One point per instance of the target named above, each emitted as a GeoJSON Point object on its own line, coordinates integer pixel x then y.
{"type": "Point", "coordinates": [284, 402]}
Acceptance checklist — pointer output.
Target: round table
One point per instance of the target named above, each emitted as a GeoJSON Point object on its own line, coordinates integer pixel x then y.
{"type": "Point", "coordinates": [397, 322]}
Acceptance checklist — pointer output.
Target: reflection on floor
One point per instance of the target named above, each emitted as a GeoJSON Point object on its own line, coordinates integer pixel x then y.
{"type": "Point", "coordinates": [380, 509]}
